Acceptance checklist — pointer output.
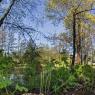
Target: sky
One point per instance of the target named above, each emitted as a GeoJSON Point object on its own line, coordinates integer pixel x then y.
{"type": "Point", "coordinates": [39, 21]}
{"type": "Point", "coordinates": [47, 27]}
{"type": "Point", "coordinates": [44, 25]}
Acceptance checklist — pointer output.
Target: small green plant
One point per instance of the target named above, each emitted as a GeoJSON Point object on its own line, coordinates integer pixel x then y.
{"type": "Point", "coordinates": [20, 88]}
{"type": "Point", "coordinates": [4, 83]}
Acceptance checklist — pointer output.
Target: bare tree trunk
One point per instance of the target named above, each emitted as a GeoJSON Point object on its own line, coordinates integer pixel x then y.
{"type": "Point", "coordinates": [79, 44]}
{"type": "Point", "coordinates": [74, 39]}
{"type": "Point", "coordinates": [81, 50]}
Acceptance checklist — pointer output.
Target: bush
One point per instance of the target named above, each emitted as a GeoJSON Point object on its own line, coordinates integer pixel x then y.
{"type": "Point", "coordinates": [64, 80]}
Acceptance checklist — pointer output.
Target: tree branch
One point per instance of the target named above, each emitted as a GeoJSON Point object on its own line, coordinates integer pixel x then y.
{"type": "Point", "coordinates": [0, 1]}
{"type": "Point", "coordinates": [2, 18]}
{"type": "Point", "coordinates": [84, 11]}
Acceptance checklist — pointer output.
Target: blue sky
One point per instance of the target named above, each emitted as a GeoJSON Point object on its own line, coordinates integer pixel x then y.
{"type": "Point", "coordinates": [37, 19]}
{"type": "Point", "coordinates": [43, 24]}
{"type": "Point", "coordinates": [47, 27]}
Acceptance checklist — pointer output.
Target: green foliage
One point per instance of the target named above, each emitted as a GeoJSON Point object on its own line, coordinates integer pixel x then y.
{"type": "Point", "coordinates": [71, 81]}
{"type": "Point", "coordinates": [89, 76]}
{"type": "Point", "coordinates": [32, 77]}
{"type": "Point", "coordinates": [20, 88]}
{"type": "Point", "coordinates": [5, 68]}
{"type": "Point", "coordinates": [86, 75]}
{"type": "Point", "coordinates": [62, 79]}
{"type": "Point", "coordinates": [4, 82]}
{"type": "Point", "coordinates": [6, 64]}
{"type": "Point", "coordinates": [51, 74]}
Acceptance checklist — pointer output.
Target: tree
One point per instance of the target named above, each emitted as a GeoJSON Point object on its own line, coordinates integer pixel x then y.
{"type": "Point", "coordinates": [71, 10]}
{"type": "Point", "coordinates": [12, 19]}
